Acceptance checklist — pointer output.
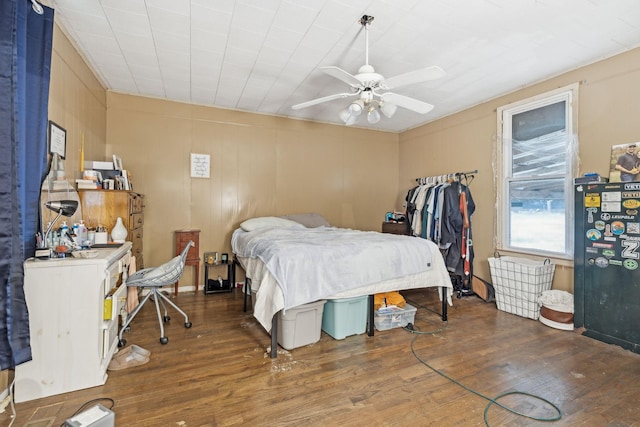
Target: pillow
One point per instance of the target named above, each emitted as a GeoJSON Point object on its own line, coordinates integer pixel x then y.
{"type": "Point", "coordinates": [309, 220]}
{"type": "Point", "coordinates": [267, 222]}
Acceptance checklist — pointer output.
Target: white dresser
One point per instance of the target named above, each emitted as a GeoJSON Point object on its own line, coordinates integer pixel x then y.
{"type": "Point", "coordinates": [73, 308]}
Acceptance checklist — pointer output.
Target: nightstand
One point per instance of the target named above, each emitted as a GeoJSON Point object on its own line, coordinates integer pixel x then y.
{"type": "Point", "coordinates": [193, 256]}
{"type": "Point", "coordinates": [212, 286]}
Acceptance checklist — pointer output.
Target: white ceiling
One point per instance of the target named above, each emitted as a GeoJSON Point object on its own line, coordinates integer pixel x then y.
{"type": "Point", "coordinates": [263, 55]}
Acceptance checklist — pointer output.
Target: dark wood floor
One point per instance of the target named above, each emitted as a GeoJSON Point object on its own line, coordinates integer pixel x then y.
{"type": "Point", "coordinates": [217, 373]}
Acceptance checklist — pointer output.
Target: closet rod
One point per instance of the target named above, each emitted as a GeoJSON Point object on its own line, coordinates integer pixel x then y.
{"type": "Point", "coordinates": [445, 177]}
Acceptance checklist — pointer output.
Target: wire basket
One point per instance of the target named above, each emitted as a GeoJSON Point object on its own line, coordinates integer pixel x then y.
{"type": "Point", "coordinates": [519, 283]}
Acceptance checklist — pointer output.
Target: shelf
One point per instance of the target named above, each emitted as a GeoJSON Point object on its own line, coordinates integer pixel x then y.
{"type": "Point", "coordinates": [212, 286]}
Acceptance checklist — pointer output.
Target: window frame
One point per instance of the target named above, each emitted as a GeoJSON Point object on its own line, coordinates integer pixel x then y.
{"type": "Point", "coordinates": [505, 113]}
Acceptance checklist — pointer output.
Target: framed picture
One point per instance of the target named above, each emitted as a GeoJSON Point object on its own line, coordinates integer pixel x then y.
{"type": "Point", "coordinates": [57, 140]}
{"type": "Point", "coordinates": [624, 165]}
{"type": "Point", "coordinates": [200, 165]}
{"type": "Point", "coordinates": [117, 163]}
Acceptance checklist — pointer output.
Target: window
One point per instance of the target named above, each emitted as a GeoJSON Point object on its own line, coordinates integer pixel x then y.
{"type": "Point", "coordinates": [538, 156]}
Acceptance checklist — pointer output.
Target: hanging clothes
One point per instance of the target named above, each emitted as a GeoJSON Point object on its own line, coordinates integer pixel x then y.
{"type": "Point", "coordinates": [455, 234]}
{"type": "Point", "coordinates": [440, 210]}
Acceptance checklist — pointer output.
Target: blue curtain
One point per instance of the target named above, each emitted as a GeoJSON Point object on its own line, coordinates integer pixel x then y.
{"type": "Point", "coordinates": [25, 61]}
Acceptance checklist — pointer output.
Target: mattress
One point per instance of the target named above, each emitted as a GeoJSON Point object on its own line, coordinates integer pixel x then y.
{"type": "Point", "coordinates": [290, 267]}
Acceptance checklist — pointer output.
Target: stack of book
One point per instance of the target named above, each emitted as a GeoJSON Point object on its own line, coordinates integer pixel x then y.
{"type": "Point", "coordinates": [60, 184]}
{"type": "Point", "coordinates": [90, 180]}
{"type": "Point", "coordinates": [88, 184]}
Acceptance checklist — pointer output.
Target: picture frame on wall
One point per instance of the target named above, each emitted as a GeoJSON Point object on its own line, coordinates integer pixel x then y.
{"type": "Point", "coordinates": [57, 139]}
{"type": "Point", "coordinates": [625, 163]}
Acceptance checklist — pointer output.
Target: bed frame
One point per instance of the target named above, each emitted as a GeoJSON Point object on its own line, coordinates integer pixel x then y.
{"type": "Point", "coordinates": [274, 320]}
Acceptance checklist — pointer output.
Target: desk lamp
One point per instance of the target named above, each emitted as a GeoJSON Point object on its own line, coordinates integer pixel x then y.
{"type": "Point", "coordinates": [62, 207]}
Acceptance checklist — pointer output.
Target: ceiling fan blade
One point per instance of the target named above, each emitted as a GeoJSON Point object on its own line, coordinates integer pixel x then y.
{"type": "Point", "coordinates": [341, 74]}
{"type": "Point", "coordinates": [323, 99]}
{"type": "Point", "coordinates": [413, 77]}
{"type": "Point", "coordinates": [406, 102]}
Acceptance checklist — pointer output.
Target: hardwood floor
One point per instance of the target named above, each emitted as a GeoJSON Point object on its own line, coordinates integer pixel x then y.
{"type": "Point", "coordinates": [217, 373]}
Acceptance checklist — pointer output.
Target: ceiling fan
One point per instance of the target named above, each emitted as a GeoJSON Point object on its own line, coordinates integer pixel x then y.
{"type": "Point", "coordinates": [371, 89]}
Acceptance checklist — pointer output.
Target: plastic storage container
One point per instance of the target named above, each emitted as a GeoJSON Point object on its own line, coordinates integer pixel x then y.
{"type": "Point", "coordinates": [394, 317]}
{"type": "Point", "coordinates": [301, 325]}
{"type": "Point", "coordinates": [519, 283]}
{"type": "Point", "coordinates": [344, 317]}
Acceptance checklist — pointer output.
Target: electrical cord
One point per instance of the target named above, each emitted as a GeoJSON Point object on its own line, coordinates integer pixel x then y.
{"type": "Point", "coordinates": [492, 401]}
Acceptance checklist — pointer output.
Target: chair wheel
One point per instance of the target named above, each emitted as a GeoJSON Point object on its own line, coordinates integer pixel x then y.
{"type": "Point", "coordinates": [187, 324]}
{"type": "Point", "coordinates": [164, 340]}
{"type": "Point", "coordinates": [166, 319]}
{"type": "Point", "coordinates": [122, 342]}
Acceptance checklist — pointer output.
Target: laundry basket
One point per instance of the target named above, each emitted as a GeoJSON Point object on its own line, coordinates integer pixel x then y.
{"type": "Point", "coordinates": [519, 283]}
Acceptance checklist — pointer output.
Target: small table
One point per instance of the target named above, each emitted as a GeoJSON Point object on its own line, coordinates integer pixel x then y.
{"type": "Point", "coordinates": [210, 285]}
{"type": "Point", "coordinates": [193, 256]}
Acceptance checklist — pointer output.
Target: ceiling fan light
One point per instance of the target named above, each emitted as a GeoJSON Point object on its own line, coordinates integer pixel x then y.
{"type": "Point", "coordinates": [388, 109]}
{"type": "Point", "coordinates": [347, 117]}
{"type": "Point", "coordinates": [373, 116]}
{"type": "Point", "coordinates": [356, 107]}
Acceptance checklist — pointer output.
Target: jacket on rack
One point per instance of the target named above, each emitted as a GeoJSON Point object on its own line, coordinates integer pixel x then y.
{"type": "Point", "coordinates": [435, 213]}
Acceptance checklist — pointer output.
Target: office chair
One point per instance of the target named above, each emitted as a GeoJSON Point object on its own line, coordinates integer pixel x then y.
{"type": "Point", "coordinates": [154, 279]}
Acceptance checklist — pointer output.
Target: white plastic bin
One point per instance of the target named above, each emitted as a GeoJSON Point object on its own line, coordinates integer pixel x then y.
{"type": "Point", "coordinates": [301, 325]}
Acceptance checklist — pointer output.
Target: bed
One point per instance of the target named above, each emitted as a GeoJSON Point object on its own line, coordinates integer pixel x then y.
{"type": "Point", "coordinates": [295, 261]}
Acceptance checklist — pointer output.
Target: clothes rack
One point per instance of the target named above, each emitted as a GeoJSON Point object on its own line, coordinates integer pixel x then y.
{"type": "Point", "coordinates": [437, 179]}
{"type": "Point", "coordinates": [439, 209]}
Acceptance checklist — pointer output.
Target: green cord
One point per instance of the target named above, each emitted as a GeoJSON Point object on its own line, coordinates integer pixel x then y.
{"type": "Point", "coordinates": [492, 401]}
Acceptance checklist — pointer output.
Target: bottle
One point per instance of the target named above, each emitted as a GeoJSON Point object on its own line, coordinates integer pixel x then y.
{"type": "Point", "coordinates": [82, 231]}
{"type": "Point", "coordinates": [119, 232]}
{"type": "Point", "coordinates": [64, 229]}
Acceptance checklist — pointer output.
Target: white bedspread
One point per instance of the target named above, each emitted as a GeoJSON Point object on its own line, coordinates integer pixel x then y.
{"type": "Point", "coordinates": [309, 264]}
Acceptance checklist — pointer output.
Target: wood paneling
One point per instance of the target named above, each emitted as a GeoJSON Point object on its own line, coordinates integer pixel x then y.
{"type": "Point", "coordinates": [260, 165]}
